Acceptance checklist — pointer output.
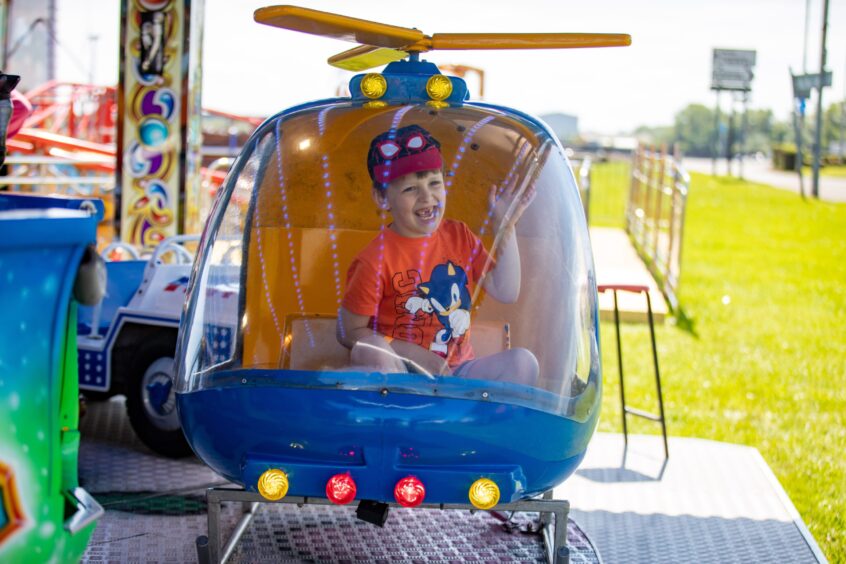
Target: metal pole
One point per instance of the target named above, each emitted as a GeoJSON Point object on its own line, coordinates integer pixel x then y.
{"type": "Point", "coordinates": [715, 149]}
{"type": "Point", "coordinates": [620, 369]}
{"type": "Point", "coordinates": [842, 123]}
{"type": "Point", "coordinates": [798, 109]}
{"type": "Point", "coordinates": [840, 145]}
{"type": "Point", "coordinates": [805, 41]}
{"type": "Point", "coordinates": [730, 140]}
{"type": "Point", "coordinates": [657, 373]}
{"type": "Point", "coordinates": [51, 43]}
{"type": "Point", "coordinates": [744, 127]}
{"type": "Point", "coordinates": [815, 187]}
{"type": "Point", "coordinates": [92, 70]}
{"type": "Point", "coordinates": [213, 540]}
{"type": "Point", "coordinates": [4, 33]}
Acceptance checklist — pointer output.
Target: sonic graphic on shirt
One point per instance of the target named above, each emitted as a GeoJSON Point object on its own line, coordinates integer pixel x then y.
{"type": "Point", "coordinates": [446, 296]}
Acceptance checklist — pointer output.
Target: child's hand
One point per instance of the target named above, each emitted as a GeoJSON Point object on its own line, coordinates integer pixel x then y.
{"type": "Point", "coordinates": [507, 205]}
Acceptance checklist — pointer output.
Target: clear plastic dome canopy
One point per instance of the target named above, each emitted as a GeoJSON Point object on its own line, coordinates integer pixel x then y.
{"type": "Point", "coordinates": [298, 207]}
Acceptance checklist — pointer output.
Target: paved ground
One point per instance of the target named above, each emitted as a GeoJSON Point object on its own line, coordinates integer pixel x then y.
{"type": "Point", "coordinates": [617, 262]}
{"type": "Point", "coordinates": [761, 171]}
{"type": "Point", "coordinates": [710, 502]}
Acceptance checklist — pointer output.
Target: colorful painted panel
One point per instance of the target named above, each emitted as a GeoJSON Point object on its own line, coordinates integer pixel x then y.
{"type": "Point", "coordinates": [160, 117]}
{"type": "Point", "coordinates": [11, 512]}
{"type": "Point", "coordinates": [41, 244]}
{"type": "Point", "coordinates": [152, 139]}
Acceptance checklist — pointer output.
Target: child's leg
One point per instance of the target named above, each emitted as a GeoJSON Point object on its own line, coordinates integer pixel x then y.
{"type": "Point", "coordinates": [514, 365]}
{"type": "Point", "coordinates": [374, 352]}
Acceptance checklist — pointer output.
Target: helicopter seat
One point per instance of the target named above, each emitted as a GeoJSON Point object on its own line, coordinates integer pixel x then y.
{"type": "Point", "coordinates": [311, 344]}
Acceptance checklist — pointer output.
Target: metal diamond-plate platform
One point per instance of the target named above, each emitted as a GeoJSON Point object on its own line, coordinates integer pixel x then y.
{"type": "Point", "coordinates": [710, 502]}
{"type": "Point", "coordinates": [155, 509]}
{"type": "Point", "coordinates": [113, 459]}
{"type": "Point", "coordinates": [333, 534]}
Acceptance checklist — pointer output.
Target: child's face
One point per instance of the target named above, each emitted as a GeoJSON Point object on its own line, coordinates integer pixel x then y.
{"type": "Point", "coordinates": [416, 202]}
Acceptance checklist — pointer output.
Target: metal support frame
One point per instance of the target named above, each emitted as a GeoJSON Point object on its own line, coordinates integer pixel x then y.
{"type": "Point", "coordinates": [626, 410]}
{"type": "Point", "coordinates": [210, 549]}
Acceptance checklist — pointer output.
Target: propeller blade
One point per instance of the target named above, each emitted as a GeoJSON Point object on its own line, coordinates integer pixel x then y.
{"type": "Point", "coordinates": [457, 41]}
{"type": "Point", "coordinates": [340, 27]}
{"type": "Point", "coordinates": [365, 57]}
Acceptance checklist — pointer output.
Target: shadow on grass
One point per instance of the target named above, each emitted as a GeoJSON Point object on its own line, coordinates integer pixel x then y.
{"type": "Point", "coordinates": [685, 323]}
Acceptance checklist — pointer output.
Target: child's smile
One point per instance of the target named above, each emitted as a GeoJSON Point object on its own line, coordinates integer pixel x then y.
{"type": "Point", "coordinates": [416, 202]}
{"type": "Point", "coordinates": [428, 213]}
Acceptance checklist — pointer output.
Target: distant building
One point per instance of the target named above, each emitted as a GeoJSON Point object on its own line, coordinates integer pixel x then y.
{"type": "Point", "coordinates": [565, 126]}
{"type": "Point", "coordinates": [623, 143]}
{"type": "Point", "coordinates": [29, 27]}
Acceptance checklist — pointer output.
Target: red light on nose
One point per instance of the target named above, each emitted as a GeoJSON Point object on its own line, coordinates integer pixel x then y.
{"type": "Point", "coordinates": [340, 489]}
{"type": "Point", "coordinates": [409, 492]}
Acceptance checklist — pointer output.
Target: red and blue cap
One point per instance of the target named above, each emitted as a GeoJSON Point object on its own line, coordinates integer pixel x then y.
{"type": "Point", "coordinates": [402, 151]}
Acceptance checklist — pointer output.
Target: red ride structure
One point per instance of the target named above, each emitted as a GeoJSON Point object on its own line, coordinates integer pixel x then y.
{"type": "Point", "coordinates": [74, 125]}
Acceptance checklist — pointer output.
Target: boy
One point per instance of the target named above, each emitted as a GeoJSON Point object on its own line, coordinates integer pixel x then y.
{"type": "Point", "coordinates": [407, 301]}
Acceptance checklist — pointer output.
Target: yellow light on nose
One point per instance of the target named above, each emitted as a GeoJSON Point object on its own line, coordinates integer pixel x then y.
{"type": "Point", "coordinates": [438, 87]}
{"type": "Point", "coordinates": [374, 85]}
{"type": "Point", "coordinates": [484, 494]}
{"type": "Point", "coordinates": [273, 484]}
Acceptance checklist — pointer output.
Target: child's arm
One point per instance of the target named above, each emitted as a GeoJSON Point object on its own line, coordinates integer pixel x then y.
{"type": "Point", "coordinates": [503, 281]}
{"type": "Point", "coordinates": [353, 329]}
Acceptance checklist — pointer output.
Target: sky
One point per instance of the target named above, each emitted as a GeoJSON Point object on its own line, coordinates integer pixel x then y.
{"type": "Point", "coordinates": [253, 69]}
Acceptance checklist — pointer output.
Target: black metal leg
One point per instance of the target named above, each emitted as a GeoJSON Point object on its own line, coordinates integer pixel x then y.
{"type": "Point", "coordinates": [213, 540]}
{"type": "Point", "coordinates": [620, 370]}
{"type": "Point", "coordinates": [626, 410]}
{"type": "Point", "coordinates": [203, 556]}
{"type": "Point", "coordinates": [657, 376]}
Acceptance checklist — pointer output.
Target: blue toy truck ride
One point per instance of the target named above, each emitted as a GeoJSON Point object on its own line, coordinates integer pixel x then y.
{"type": "Point", "coordinates": [126, 344]}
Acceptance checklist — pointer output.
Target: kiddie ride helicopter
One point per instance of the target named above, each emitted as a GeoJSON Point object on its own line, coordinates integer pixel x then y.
{"type": "Point", "coordinates": [279, 409]}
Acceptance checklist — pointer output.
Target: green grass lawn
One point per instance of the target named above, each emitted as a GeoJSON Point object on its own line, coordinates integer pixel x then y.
{"type": "Point", "coordinates": [762, 361]}
{"type": "Point", "coordinates": [830, 170]}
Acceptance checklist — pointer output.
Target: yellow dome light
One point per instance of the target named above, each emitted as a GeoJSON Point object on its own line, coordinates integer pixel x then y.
{"type": "Point", "coordinates": [484, 494]}
{"type": "Point", "coordinates": [273, 484]}
{"type": "Point", "coordinates": [439, 87]}
{"type": "Point", "coordinates": [374, 85]}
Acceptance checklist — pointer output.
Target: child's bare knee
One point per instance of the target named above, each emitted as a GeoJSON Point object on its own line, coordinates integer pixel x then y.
{"type": "Point", "coordinates": [525, 365]}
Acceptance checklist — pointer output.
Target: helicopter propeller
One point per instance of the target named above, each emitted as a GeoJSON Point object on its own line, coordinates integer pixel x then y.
{"type": "Point", "coordinates": [382, 43]}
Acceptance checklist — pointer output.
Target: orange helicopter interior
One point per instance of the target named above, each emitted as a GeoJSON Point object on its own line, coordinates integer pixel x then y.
{"type": "Point", "coordinates": [315, 212]}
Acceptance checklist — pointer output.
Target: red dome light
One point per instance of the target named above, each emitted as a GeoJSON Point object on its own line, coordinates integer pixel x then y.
{"type": "Point", "coordinates": [409, 492]}
{"type": "Point", "coordinates": [340, 489]}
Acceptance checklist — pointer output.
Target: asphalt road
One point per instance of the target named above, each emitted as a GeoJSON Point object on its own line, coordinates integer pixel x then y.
{"type": "Point", "coordinates": [831, 189]}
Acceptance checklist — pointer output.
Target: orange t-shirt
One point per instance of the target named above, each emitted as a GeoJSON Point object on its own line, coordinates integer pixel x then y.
{"type": "Point", "coordinates": [439, 272]}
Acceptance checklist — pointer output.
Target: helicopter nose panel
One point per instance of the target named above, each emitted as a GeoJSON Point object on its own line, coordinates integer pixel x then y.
{"type": "Point", "coordinates": [378, 438]}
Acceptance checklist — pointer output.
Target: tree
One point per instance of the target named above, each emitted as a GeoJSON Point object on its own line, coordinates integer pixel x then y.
{"type": "Point", "coordinates": [834, 129]}
{"type": "Point", "coordinates": [694, 130]}
{"type": "Point", "coordinates": [660, 135]}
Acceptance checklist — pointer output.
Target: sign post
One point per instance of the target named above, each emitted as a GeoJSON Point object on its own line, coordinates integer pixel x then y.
{"type": "Point", "coordinates": [815, 185]}
{"type": "Point", "coordinates": [803, 84]}
{"type": "Point", "coordinates": [800, 94]}
{"type": "Point", "coordinates": [733, 70]}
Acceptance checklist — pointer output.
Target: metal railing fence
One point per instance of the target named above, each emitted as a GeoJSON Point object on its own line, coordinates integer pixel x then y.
{"type": "Point", "coordinates": [655, 214]}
